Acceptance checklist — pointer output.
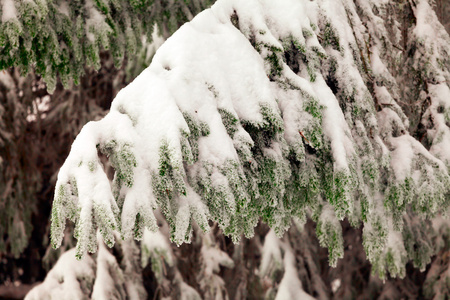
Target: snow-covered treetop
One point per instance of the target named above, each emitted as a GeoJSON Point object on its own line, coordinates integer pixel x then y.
{"type": "Point", "coordinates": [275, 110]}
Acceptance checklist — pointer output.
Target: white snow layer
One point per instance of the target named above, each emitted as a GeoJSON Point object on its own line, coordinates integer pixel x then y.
{"type": "Point", "coordinates": [9, 10]}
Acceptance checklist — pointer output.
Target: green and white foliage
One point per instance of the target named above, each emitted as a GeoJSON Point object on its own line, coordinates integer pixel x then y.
{"type": "Point", "coordinates": [207, 259]}
{"type": "Point", "coordinates": [156, 251]}
{"type": "Point", "coordinates": [278, 258]}
{"type": "Point", "coordinates": [102, 276]}
{"type": "Point", "coordinates": [58, 38]}
{"type": "Point", "coordinates": [275, 111]}
{"type": "Point", "coordinates": [69, 279]}
{"type": "Point", "coordinates": [212, 258]}
{"type": "Point", "coordinates": [36, 128]}
{"type": "Point", "coordinates": [427, 64]}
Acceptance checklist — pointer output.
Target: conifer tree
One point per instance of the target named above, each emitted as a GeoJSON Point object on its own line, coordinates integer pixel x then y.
{"type": "Point", "coordinates": [335, 113]}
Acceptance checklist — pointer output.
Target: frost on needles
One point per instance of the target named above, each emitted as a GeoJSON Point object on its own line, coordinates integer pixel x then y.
{"type": "Point", "coordinates": [268, 110]}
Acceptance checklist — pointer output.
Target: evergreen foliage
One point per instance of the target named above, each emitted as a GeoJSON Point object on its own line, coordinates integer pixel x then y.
{"type": "Point", "coordinates": [37, 128]}
{"type": "Point", "coordinates": [329, 121]}
{"type": "Point", "coordinates": [302, 118]}
{"type": "Point", "coordinates": [57, 39]}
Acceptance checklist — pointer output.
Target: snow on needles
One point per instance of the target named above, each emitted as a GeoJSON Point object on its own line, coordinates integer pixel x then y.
{"type": "Point", "coordinates": [255, 109]}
